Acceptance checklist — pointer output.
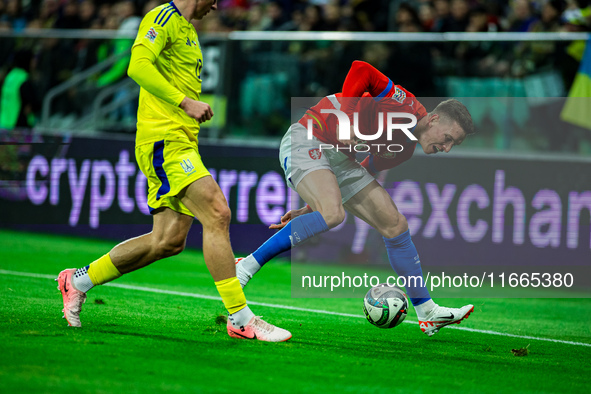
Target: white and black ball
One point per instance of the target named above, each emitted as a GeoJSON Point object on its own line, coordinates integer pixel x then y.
{"type": "Point", "coordinates": [385, 306]}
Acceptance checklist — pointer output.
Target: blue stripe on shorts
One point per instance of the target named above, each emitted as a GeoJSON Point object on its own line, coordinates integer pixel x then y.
{"type": "Point", "coordinates": [158, 162]}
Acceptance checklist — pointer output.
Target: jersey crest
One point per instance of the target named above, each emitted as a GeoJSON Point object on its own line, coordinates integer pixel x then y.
{"type": "Point", "coordinates": [187, 166]}
{"type": "Point", "coordinates": [315, 153]}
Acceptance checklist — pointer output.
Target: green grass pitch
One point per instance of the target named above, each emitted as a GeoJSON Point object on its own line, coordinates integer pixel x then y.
{"type": "Point", "coordinates": [138, 341]}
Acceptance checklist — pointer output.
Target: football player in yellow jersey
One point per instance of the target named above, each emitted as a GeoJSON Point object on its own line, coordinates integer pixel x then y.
{"type": "Point", "coordinates": [166, 62]}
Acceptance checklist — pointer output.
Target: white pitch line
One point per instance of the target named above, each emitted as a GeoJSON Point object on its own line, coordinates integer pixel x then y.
{"type": "Point", "coordinates": [294, 308]}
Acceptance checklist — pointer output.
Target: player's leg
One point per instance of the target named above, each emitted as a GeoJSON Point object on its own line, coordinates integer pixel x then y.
{"type": "Point", "coordinates": [321, 191]}
{"type": "Point", "coordinates": [312, 177]}
{"type": "Point", "coordinates": [167, 238]}
{"type": "Point", "coordinates": [375, 206]}
{"type": "Point", "coordinates": [206, 201]}
{"type": "Point", "coordinates": [178, 179]}
{"type": "Point", "coordinates": [171, 223]}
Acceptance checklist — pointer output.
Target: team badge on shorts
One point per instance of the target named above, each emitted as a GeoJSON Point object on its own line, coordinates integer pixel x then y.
{"type": "Point", "coordinates": [151, 34]}
{"type": "Point", "coordinates": [315, 153]}
{"type": "Point", "coordinates": [187, 166]}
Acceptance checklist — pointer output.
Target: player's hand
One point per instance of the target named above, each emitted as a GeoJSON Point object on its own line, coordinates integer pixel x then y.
{"type": "Point", "coordinates": [294, 213]}
{"type": "Point", "coordinates": [197, 110]}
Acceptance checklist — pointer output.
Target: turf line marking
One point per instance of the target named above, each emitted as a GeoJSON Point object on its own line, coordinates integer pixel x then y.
{"type": "Point", "coordinates": [293, 308]}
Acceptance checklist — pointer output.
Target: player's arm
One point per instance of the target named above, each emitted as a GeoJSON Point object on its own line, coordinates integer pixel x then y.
{"type": "Point", "coordinates": [152, 38]}
{"type": "Point", "coordinates": [144, 72]}
{"type": "Point", "coordinates": [363, 77]}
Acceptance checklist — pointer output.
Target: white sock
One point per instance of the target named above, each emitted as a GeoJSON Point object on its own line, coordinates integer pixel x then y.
{"type": "Point", "coordinates": [81, 280]}
{"type": "Point", "coordinates": [246, 269]}
{"type": "Point", "coordinates": [241, 318]}
{"type": "Point", "coordinates": [424, 309]}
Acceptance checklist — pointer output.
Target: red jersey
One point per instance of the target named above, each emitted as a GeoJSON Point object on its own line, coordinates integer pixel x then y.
{"type": "Point", "coordinates": [367, 92]}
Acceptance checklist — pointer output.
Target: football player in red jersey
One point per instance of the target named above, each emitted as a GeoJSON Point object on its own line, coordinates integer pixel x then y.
{"type": "Point", "coordinates": [319, 163]}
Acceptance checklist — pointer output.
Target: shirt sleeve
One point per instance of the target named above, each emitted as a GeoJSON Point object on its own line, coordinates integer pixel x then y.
{"type": "Point", "coordinates": [142, 70]}
{"type": "Point", "coordinates": [153, 36]}
{"type": "Point", "coordinates": [363, 77]}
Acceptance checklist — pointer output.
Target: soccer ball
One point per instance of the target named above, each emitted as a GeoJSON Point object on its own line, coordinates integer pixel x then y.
{"type": "Point", "coordinates": [385, 306]}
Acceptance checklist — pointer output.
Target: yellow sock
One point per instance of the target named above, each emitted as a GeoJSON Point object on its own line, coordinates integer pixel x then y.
{"type": "Point", "coordinates": [232, 294]}
{"type": "Point", "coordinates": [103, 270]}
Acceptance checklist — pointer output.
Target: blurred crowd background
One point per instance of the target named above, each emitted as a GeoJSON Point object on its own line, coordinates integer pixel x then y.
{"type": "Point", "coordinates": [305, 15]}
{"type": "Point", "coordinates": [476, 58]}
{"type": "Point", "coordinates": [251, 82]}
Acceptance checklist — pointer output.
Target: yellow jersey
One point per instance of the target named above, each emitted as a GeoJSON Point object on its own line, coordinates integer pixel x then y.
{"type": "Point", "coordinates": [167, 34]}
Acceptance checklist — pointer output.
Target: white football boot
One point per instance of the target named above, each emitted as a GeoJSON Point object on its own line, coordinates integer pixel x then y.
{"type": "Point", "coordinates": [441, 316]}
{"type": "Point", "coordinates": [259, 329]}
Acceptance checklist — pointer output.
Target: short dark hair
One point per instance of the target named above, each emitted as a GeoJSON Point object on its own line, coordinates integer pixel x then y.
{"type": "Point", "coordinates": [454, 110]}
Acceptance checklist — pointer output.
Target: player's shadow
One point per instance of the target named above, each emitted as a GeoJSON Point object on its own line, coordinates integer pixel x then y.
{"type": "Point", "coordinates": [153, 336]}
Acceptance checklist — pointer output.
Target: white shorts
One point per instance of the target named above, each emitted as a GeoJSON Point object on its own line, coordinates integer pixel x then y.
{"type": "Point", "coordinates": [299, 156]}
